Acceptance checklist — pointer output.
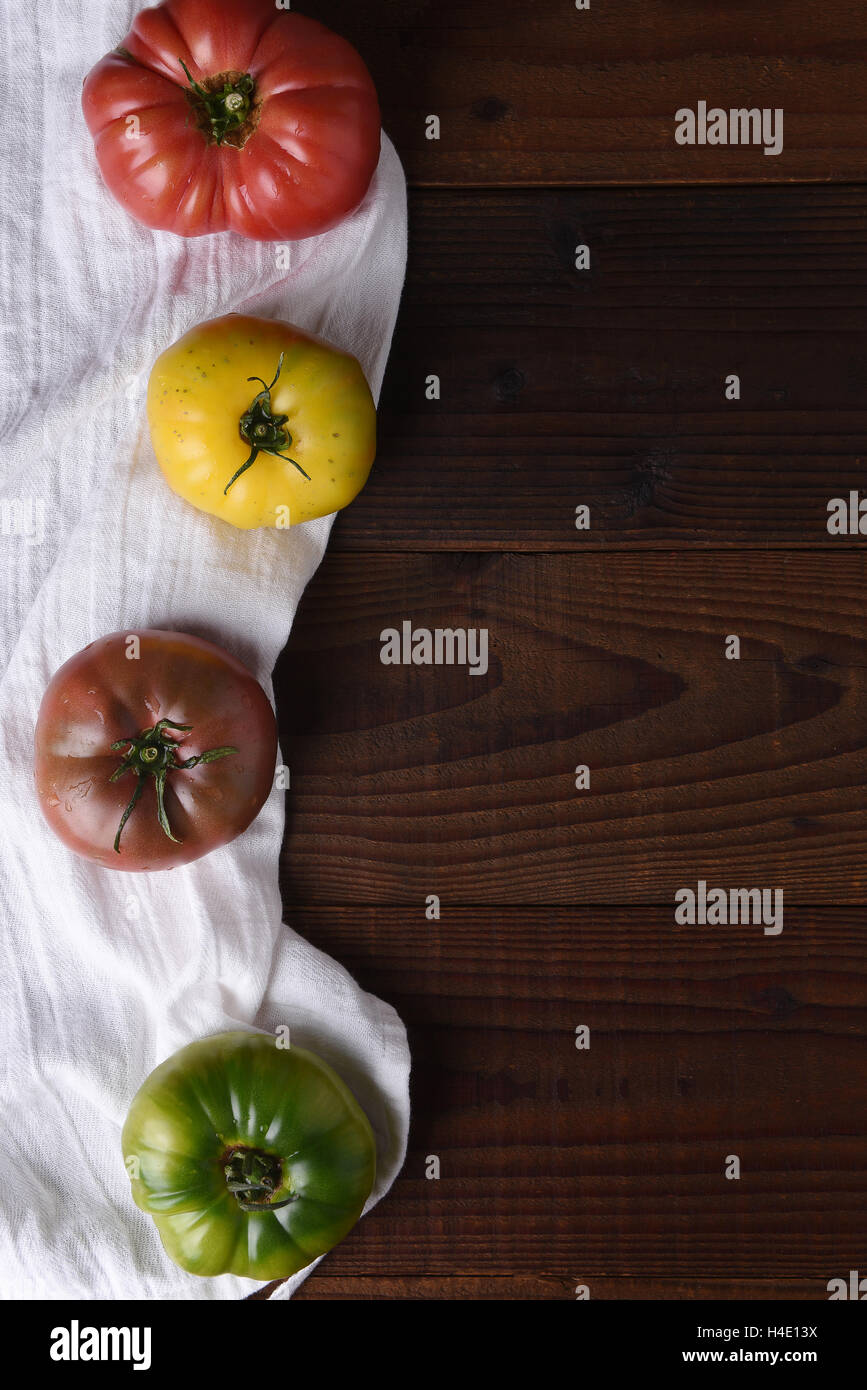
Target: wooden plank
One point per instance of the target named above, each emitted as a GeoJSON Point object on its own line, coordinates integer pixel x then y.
{"type": "Point", "coordinates": [606, 387]}
{"type": "Point", "coordinates": [501, 1288]}
{"type": "Point", "coordinates": [543, 93]}
{"type": "Point", "coordinates": [605, 1166]}
{"type": "Point", "coordinates": [410, 780]}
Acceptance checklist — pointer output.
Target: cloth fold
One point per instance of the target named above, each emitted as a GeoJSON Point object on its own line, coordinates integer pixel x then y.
{"type": "Point", "coordinates": [104, 974]}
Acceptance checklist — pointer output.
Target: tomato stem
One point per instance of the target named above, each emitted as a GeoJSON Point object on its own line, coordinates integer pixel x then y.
{"type": "Point", "coordinates": [264, 431]}
{"type": "Point", "coordinates": [253, 1177]}
{"type": "Point", "coordinates": [154, 754]}
{"type": "Point", "coordinates": [223, 108]}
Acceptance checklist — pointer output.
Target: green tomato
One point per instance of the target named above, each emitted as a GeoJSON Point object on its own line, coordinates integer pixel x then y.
{"type": "Point", "coordinates": [252, 1158]}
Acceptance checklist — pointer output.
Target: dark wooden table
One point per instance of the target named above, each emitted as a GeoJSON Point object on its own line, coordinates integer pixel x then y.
{"type": "Point", "coordinates": [606, 388]}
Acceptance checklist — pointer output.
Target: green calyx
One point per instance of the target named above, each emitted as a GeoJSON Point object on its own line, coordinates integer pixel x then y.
{"type": "Point", "coordinates": [224, 106]}
{"type": "Point", "coordinates": [253, 1177]}
{"type": "Point", "coordinates": [154, 754]}
{"type": "Point", "coordinates": [265, 432]}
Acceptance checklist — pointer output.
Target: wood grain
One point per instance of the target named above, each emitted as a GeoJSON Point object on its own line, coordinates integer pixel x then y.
{"type": "Point", "coordinates": [607, 387]}
{"type": "Point", "coordinates": [544, 94]}
{"type": "Point", "coordinates": [410, 780]}
{"type": "Point", "coordinates": [499, 1288]}
{"type": "Point", "coordinates": [605, 1166]}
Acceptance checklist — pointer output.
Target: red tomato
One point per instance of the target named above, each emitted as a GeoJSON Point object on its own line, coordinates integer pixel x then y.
{"type": "Point", "coordinates": [217, 115]}
{"type": "Point", "coordinates": [148, 761]}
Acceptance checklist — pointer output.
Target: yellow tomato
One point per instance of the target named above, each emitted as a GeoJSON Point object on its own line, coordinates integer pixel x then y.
{"type": "Point", "coordinates": [261, 424]}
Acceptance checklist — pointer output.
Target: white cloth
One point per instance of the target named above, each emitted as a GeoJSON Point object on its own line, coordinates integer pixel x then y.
{"type": "Point", "coordinates": [104, 974]}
